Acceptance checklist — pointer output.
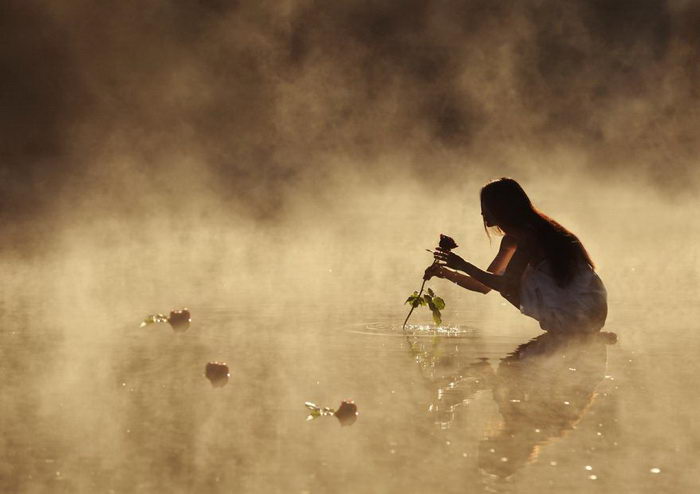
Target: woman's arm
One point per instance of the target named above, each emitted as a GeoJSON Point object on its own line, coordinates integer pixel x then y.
{"type": "Point", "coordinates": [498, 265]}
{"type": "Point", "coordinates": [503, 275]}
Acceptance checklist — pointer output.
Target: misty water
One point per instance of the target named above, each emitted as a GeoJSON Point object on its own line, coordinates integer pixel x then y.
{"type": "Point", "coordinates": [485, 403]}
{"type": "Point", "coordinates": [279, 168]}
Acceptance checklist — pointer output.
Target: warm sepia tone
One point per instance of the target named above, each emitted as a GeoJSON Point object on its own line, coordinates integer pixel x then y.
{"type": "Point", "coordinates": [279, 168]}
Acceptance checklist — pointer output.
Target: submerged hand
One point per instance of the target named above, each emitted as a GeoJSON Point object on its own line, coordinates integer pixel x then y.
{"type": "Point", "coordinates": [434, 270]}
{"type": "Point", "coordinates": [450, 259]}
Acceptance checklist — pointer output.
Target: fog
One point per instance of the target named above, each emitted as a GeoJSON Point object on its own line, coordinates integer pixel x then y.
{"type": "Point", "coordinates": [280, 168]}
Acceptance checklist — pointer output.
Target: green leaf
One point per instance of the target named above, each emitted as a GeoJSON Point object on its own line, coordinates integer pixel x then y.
{"type": "Point", "coordinates": [431, 293]}
{"type": "Point", "coordinates": [408, 299]}
{"type": "Point", "coordinates": [153, 318]}
{"type": "Point", "coordinates": [439, 303]}
{"type": "Point", "coordinates": [437, 317]}
{"type": "Point", "coordinates": [416, 302]}
{"type": "Point", "coordinates": [428, 298]}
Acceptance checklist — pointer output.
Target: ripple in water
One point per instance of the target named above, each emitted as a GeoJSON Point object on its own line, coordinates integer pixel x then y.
{"type": "Point", "coordinates": [391, 329]}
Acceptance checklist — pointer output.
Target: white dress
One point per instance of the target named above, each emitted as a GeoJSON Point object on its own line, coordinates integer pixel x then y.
{"type": "Point", "coordinates": [581, 306]}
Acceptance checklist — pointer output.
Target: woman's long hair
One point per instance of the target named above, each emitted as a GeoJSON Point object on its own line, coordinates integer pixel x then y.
{"type": "Point", "coordinates": [505, 201]}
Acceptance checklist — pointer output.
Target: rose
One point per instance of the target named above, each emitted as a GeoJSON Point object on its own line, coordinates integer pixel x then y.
{"type": "Point", "coordinates": [180, 319]}
{"type": "Point", "coordinates": [346, 412]}
{"type": "Point", "coordinates": [447, 243]}
{"type": "Point", "coordinates": [217, 373]}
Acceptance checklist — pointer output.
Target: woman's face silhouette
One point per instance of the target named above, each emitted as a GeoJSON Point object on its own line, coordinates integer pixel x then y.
{"type": "Point", "coordinates": [488, 217]}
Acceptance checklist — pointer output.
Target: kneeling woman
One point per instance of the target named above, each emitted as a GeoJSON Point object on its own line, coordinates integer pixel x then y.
{"type": "Point", "coordinates": [541, 267]}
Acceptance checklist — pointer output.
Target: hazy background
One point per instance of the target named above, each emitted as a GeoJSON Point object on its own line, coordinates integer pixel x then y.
{"type": "Point", "coordinates": [147, 143]}
{"type": "Point", "coordinates": [307, 130]}
{"type": "Point", "coordinates": [296, 157]}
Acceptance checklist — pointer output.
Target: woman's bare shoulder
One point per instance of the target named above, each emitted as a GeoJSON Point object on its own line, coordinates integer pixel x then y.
{"type": "Point", "coordinates": [509, 242]}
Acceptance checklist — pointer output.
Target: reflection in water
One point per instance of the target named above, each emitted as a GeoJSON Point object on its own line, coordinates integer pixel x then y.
{"type": "Point", "coordinates": [542, 390]}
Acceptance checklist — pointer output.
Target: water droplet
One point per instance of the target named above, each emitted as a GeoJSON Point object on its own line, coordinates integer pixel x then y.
{"type": "Point", "coordinates": [504, 459]}
{"type": "Point", "coordinates": [655, 470]}
{"type": "Point", "coordinates": [567, 403]}
{"type": "Point", "coordinates": [588, 467]}
{"type": "Point", "coordinates": [593, 477]}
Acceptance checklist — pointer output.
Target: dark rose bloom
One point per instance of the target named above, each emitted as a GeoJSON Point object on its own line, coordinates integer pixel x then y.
{"type": "Point", "coordinates": [446, 243]}
{"type": "Point", "coordinates": [217, 373]}
{"type": "Point", "coordinates": [180, 319]}
{"type": "Point", "coordinates": [346, 413]}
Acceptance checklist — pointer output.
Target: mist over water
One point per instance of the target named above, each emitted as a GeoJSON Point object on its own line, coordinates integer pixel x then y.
{"type": "Point", "coordinates": [279, 168]}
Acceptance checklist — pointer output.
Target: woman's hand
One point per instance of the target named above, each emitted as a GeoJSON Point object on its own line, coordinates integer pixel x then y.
{"type": "Point", "coordinates": [450, 259]}
{"type": "Point", "coordinates": [434, 270]}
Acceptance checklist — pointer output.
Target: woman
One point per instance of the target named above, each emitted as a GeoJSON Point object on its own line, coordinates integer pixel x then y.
{"type": "Point", "coordinates": [541, 267]}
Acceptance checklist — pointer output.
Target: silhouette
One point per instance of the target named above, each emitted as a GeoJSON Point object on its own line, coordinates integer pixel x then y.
{"type": "Point", "coordinates": [541, 267]}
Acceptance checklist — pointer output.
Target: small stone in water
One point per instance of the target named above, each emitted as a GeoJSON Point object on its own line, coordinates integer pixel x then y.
{"type": "Point", "coordinates": [346, 413]}
{"type": "Point", "coordinates": [180, 319]}
{"type": "Point", "coordinates": [217, 373]}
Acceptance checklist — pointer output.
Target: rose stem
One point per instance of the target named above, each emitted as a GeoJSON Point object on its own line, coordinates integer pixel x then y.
{"type": "Point", "coordinates": [413, 306]}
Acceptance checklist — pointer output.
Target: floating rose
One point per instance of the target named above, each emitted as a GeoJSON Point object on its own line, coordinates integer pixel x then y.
{"type": "Point", "coordinates": [346, 413]}
{"type": "Point", "coordinates": [180, 319]}
{"type": "Point", "coordinates": [217, 373]}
